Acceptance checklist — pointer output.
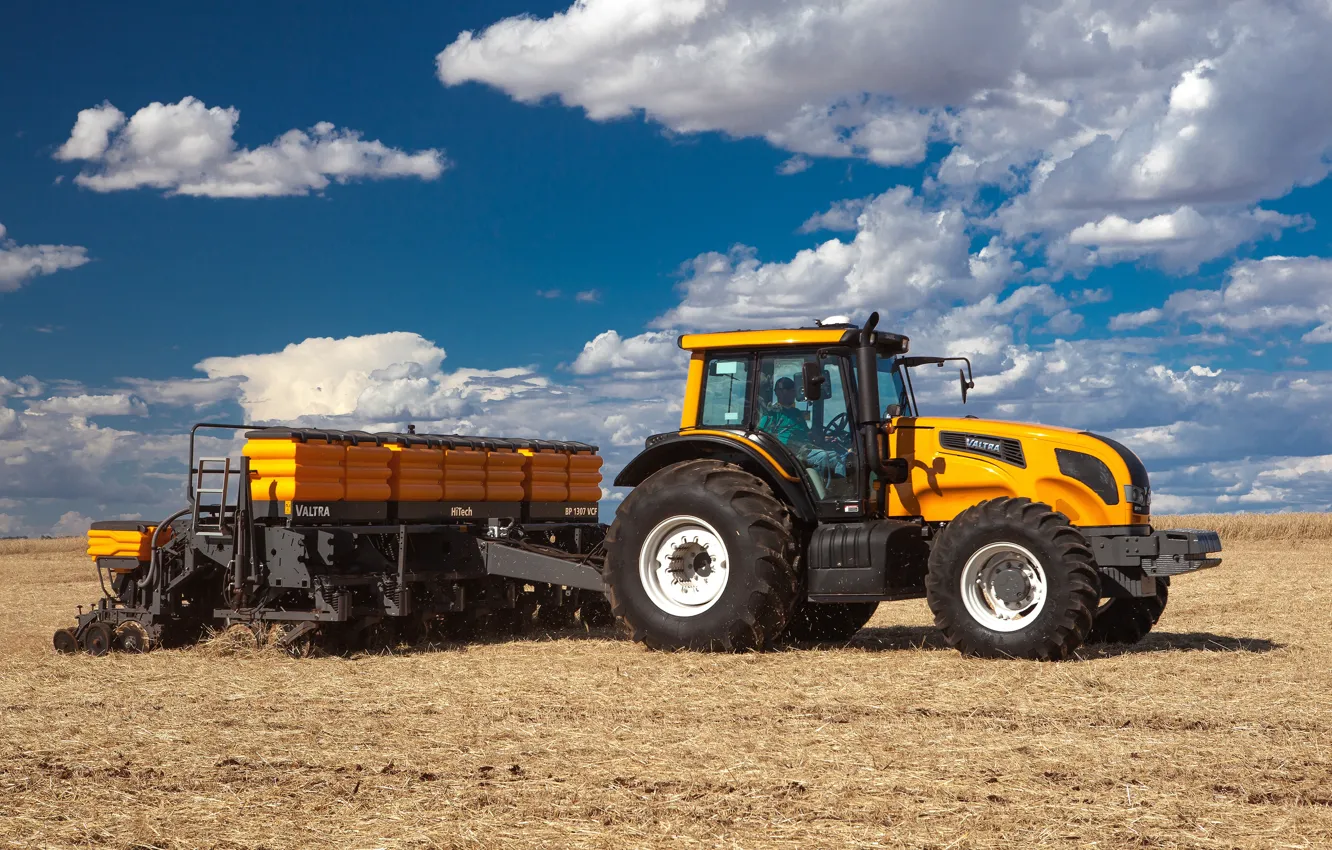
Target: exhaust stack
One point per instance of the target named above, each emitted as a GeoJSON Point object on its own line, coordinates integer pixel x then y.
{"type": "Point", "coordinates": [868, 410]}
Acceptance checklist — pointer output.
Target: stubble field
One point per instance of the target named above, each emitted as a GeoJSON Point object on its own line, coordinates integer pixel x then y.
{"type": "Point", "coordinates": [1215, 732]}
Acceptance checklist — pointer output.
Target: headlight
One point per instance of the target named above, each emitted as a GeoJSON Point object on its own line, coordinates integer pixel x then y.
{"type": "Point", "coordinates": [1139, 497]}
{"type": "Point", "coordinates": [1091, 471]}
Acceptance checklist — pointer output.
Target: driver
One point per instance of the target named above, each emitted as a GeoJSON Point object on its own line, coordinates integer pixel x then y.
{"type": "Point", "coordinates": [786, 422]}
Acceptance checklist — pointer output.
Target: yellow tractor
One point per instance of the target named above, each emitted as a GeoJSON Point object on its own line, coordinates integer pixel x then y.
{"type": "Point", "coordinates": [804, 487]}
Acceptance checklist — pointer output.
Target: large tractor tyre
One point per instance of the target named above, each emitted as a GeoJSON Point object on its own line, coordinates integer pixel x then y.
{"type": "Point", "coordinates": [1128, 620]}
{"type": "Point", "coordinates": [702, 556]}
{"type": "Point", "coordinates": [1011, 578]}
{"type": "Point", "coordinates": [825, 622]}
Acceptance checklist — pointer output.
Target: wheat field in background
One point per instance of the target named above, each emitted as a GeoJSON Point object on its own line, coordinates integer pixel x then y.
{"type": "Point", "coordinates": [1293, 527]}
{"type": "Point", "coordinates": [1215, 732]}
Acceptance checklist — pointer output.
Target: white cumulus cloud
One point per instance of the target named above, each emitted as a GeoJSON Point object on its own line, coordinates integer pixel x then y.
{"type": "Point", "coordinates": [648, 355]}
{"type": "Point", "coordinates": [903, 256]}
{"type": "Point", "coordinates": [20, 263]}
{"type": "Point", "coordinates": [188, 148]}
{"type": "Point", "coordinates": [71, 524]}
{"type": "Point", "coordinates": [1179, 117]}
{"type": "Point", "coordinates": [1180, 240]}
{"type": "Point", "coordinates": [751, 68]}
{"type": "Point", "coordinates": [323, 376]}
{"type": "Point", "coordinates": [1267, 295]}
{"type": "Point", "coordinates": [111, 404]}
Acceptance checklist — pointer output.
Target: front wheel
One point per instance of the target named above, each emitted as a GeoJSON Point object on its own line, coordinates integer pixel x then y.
{"type": "Point", "coordinates": [701, 556]}
{"type": "Point", "coordinates": [1011, 578]}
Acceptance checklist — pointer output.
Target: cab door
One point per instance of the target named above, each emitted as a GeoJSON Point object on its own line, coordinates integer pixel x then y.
{"type": "Point", "coordinates": [819, 433]}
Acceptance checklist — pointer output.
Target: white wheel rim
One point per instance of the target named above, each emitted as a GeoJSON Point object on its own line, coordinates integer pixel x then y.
{"type": "Point", "coordinates": [1004, 587]}
{"type": "Point", "coordinates": [684, 566]}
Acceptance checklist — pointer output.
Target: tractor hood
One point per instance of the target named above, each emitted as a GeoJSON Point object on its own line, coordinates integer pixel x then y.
{"type": "Point", "coordinates": [956, 462]}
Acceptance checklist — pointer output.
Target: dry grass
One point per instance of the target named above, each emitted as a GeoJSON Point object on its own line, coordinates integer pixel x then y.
{"type": "Point", "coordinates": [1214, 733]}
{"type": "Point", "coordinates": [25, 546]}
{"type": "Point", "coordinates": [1243, 527]}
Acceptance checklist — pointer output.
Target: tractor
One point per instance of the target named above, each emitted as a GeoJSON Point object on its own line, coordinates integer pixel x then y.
{"type": "Point", "coordinates": [805, 486]}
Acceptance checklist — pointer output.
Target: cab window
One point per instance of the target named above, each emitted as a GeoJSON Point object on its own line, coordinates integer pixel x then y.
{"type": "Point", "coordinates": [815, 430]}
{"type": "Point", "coordinates": [725, 393]}
{"type": "Point", "coordinates": [892, 390]}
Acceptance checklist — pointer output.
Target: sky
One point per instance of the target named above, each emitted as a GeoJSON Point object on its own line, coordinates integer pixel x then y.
{"type": "Point", "coordinates": [497, 217]}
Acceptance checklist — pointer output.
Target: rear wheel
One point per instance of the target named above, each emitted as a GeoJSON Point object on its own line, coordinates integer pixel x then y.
{"type": "Point", "coordinates": [1128, 620]}
{"type": "Point", "coordinates": [1011, 578]}
{"type": "Point", "coordinates": [701, 556]}
{"type": "Point", "coordinates": [828, 621]}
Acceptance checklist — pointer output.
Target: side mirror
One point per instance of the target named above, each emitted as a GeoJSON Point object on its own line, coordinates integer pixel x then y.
{"type": "Point", "coordinates": [813, 379]}
{"type": "Point", "coordinates": [966, 385]}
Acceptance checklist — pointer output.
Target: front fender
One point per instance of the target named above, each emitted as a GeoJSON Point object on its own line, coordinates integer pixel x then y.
{"type": "Point", "coordinates": [761, 456]}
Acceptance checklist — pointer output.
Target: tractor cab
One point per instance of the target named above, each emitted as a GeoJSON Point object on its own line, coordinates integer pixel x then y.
{"type": "Point", "coordinates": [795, 396]}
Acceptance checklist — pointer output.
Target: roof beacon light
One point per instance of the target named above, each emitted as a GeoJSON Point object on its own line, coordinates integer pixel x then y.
{"type": "Point", "coordinates": [835, 320]}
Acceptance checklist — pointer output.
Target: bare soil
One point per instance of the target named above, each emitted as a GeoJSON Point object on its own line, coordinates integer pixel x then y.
{"type": "Point", "coordinates": [1215, 732]}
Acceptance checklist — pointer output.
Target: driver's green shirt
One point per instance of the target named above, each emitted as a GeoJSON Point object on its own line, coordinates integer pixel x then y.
{"type": "Point", "coordinates": [786, 424]}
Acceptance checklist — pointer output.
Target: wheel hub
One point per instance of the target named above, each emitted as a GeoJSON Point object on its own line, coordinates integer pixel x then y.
{"type": "Point", "coordinates": [684, 566]}
{"type": "Point", "coordinates": [1004, 587]}
{"type": "Point", "coordinates": [1010, 584]}
{"type": "Point", "coordinates": [689, 561]}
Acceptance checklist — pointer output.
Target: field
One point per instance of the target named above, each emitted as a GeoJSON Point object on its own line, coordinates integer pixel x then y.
{"type": "Point", "coordinates": [1215, 732]}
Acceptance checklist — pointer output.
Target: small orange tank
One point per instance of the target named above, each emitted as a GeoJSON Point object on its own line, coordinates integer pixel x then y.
{"type": "Point", "coordinates": [123, 539]}
{"type": "Point", "coordinates": [416, 468]}
{"type": "Point", "coordinates": [367, 467]}
{"type": "Point", "coordinates": [584, 472]}
{"type": "Point", "coordinates": [464, 469]}
{"type": "Point", "coordinates": [504, 470]}
{"type": "Point", "coordinates": [295, 464]}
{"type": "Point", "coordinates": [545, 471]}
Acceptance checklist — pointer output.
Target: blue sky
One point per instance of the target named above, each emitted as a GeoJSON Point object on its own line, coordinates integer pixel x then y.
{"type": "Point", "coordinates": [1044, 187]}
{"type": "Point", "coordinates": [536, 199]}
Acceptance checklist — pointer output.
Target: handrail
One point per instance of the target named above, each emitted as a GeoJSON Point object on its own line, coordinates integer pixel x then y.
{"type": "Point", "coordinates": [199, 425]}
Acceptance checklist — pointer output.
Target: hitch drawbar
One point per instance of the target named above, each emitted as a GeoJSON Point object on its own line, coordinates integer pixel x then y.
{"type": "Point", "coordinates": [1169, 552]}
{"type": "Point", "coordinates": [525, 565]}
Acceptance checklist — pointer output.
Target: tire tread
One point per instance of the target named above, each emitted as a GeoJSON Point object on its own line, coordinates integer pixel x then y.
{"type": "Point", "coordinates": [1034, 519]}
{"type": "Point", "coordinates": [768, 525]}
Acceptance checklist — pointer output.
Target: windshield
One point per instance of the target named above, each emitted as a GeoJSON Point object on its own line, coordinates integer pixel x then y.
{"type": "Point", "coordinates": [891, 388]}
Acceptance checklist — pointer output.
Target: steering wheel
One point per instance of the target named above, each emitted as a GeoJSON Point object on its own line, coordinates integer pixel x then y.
{"type": "Point", "coordinates": [836, 431]}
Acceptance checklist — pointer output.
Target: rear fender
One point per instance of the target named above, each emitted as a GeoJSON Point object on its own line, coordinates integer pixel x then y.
{"type": "Point", "coordinates": [763, 457]}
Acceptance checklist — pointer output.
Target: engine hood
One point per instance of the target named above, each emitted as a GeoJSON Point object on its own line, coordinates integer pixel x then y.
{"type": "Point", "coordinates": [976, 458]}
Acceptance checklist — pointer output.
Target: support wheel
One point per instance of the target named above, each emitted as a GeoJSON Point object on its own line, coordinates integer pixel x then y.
{"type": "Point", "coordinates": [296, 641]}
{"type": "Point", "coordinates": [1011, 578]}
{"type": "Point", "coordinates": [132, 637]}
{"type": "Point", "coordinates": [97, 638]}
{"type": "Point", "coordinates": [241, 637]}
{"type": "Point", "coordinates": [815, 622]}
{"type": "Point", "coordinates": [1128, 620]}
{"type": "Point", "coordinates": [701, 556]}
{"type": "Point", "coordinates": [64, 642]}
